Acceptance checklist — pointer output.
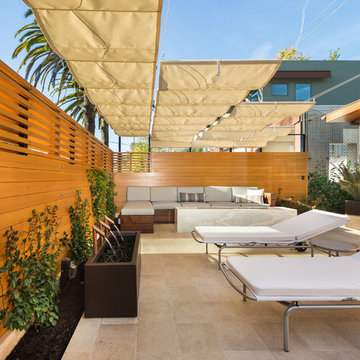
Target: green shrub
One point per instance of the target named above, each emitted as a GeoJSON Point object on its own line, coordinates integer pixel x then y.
{"type": "Point", "coordinates": [102, 193]}
{"type": "Point", "coordinates": [80, 242]}
{"type": "Point", "coordinates": [326, 194]}
{"type": "Point", "coordinates": [30, 265]}
{"type": "Point", "coordinates": [349, 180]}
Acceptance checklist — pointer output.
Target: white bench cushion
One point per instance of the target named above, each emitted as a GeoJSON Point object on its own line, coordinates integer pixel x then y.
{"type": "Point", "coordinates": [138, 193]}
{"type": "Point", "coordinates": [163, 205]}
{"type": "Point", "coordinates": [242, 234]}
{"type": "Point", "coordinates": [218, 193]}
{"type": "Point", "coordinates": [294, 278]}
{"type": "Point", "coordinates": [163, 193]}
{"type": "Point", "coordinates": [137, 208]}
{"type": "Point", "coordinates": [241, 191]}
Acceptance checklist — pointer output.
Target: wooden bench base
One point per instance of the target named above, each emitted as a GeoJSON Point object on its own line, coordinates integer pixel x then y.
{"type": "Point", "coordinates": [142, 223]}
{"type": "Point", "coordinates": [166, 216]}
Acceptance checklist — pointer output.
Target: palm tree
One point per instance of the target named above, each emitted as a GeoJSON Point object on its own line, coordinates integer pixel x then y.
{"type": "Point", "coordinates": [44, 66]}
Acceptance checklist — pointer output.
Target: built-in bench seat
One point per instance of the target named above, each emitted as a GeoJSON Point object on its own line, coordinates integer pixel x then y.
{"type": "Point", "coordinates": [147, 205]}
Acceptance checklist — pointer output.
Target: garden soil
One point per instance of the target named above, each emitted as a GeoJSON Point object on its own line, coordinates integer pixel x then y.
{"type": "Point", "coordinates": [50, 343]}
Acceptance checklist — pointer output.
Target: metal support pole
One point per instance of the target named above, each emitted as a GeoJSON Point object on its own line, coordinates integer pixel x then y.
{"type": "Point", "coordinates": [149, 144]}
{"type": "Point", "coordinates": [119, 143]}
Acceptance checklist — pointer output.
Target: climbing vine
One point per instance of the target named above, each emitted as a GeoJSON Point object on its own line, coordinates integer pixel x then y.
{"type": "Point", "coordinates": [30, 265]}
{"type": "Point", "coordinates": [80, 242]}
{"type": "Point", "coordinates": [102, 193]}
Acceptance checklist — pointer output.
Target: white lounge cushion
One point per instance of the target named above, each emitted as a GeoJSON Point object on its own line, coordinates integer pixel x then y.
{"type": "Point", "coordinates": [311, 223]}
{"type": "Point", "coordinates": [299, 278]}
{"type": "Point", "coordinates": [195, 204]}
{"type": "Point", "coordinates": [163, 193]}
{"type": "Point", "coordinates": [218, 193]}
{"type": "Point", "coordinates": [255, 196]}
{"type": "Point", "coordinates": [242, 234]}
{"type": "Point", "coordinates": [163, 205]}
{"type": "Point", "coordinates": [241, 190]}
{"type": "Point", "coordinates": [138, 193]}
{"type": "Point", "coordinates": [189, 189]}
{"type": "Point", "coordinates": [137, 208]}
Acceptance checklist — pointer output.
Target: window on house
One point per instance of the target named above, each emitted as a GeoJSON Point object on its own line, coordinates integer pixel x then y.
{"type": "Point", "coordinates": [302, 92]}
{"type": "Point", "coordinates": [279, 89]}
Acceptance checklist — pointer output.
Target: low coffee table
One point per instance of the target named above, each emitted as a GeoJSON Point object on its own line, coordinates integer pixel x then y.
{"type": "Point", "coordinates": [333, 246]}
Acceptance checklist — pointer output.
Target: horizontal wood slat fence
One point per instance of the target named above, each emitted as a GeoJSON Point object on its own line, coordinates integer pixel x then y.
{"type": "Point", "coordinates": [30, 124]}
{"type": "Point", "coordinates": [131, 162]}
{"type": "Point", "coordinates": [282, 171]}
{"type": "Point", "coordinates": [44, 155]}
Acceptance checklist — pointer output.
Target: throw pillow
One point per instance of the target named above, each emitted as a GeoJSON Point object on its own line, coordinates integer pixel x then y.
{"type": "Point", "coordinates": [192, 197]}
{"type": "Point", "coordinates": [255, 196]}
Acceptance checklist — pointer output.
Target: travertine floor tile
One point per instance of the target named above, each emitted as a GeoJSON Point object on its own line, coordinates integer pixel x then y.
{"type": "Point", "coordinates": [188, 311]}
{"type": "Point", "coordinates": [337, 355]}
{"type": "Point", "coordinates": [248, 355]}
{"type": "Point", "coordinates": [321, 336]}
{"type": "Point", "coordinates": [197, 338]}
{"type": "Point", "coordinates": [114, 342]}
{"type": "Point", "coordinates": [235, 336]}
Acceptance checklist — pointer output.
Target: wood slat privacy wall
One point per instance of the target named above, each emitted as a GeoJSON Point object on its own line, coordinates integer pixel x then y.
{"type": "Point", "coordinates": [132, 162]}
{"type": "Point", "coordinates": [44, 155]}
{"type": "Point", "coordinates": [30, 124]}
{"type": "Point", "coordinates": [271, 171]}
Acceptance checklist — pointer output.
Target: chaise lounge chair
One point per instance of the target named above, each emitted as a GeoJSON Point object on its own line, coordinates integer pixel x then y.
{"type": "Point", "coordinates": [291, 233]}
{"type": "Point", "coordinates": [291, 280]}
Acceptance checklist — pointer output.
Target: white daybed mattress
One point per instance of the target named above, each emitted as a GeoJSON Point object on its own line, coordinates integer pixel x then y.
{"type": "Point", "coordinates": [299, 278]}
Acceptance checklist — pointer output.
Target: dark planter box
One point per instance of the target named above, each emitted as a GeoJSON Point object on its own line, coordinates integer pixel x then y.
{"type": "Point", "coordinates": [112, 289]}
{"type": "Point", "coordinates": [352, 207]}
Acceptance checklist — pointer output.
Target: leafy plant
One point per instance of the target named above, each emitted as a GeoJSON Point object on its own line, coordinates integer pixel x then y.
{"type": "Point", "coordinates": [325, 193]}
{"type": "Point", "coordinates": [349, 179]}
{"type": "Point", "coordinates": [102, 193]}
{"type": "Point", "coordinates": [80, 242]}
{"type": "Point", "coordinates": [31, 269]}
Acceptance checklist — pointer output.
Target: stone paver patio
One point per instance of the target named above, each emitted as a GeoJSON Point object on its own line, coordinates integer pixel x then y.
{"type": "Point", "coordinates": [189, 311]}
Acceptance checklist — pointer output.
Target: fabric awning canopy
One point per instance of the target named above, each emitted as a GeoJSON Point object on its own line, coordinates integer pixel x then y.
{"type": "Point", "coordinates": [192, 94]}
{"type": "Point", "coordinates": [251, 124]}
{"type": "Point", "coordinates": [111, 48]}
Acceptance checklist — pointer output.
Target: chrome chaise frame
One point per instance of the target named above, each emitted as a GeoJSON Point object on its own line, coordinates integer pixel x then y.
{"type": "Point", "coordinates": [298, 245]}
{"type": "Point", "coordinates": [290, 305]}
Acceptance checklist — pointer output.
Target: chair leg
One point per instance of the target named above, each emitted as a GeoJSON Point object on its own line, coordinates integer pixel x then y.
{"type": "Point", "coordinates": [207, 248]}
{"type": "Point", "coordinates": [293, 306]}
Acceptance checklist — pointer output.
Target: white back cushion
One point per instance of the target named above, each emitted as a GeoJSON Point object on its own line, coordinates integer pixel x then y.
{"type": "Point", "coordinates": [311, 223]}
{"type": "Point", "coordinates": [138, 193]}
{"type": "Point", "coordinates": [241, 191]}
{"type": "Point", "coordinates": [190, 189]}
{"type": "Point", "coordinates": [163, 193]}
{"type": "Point", "coordinates": [218, 193]}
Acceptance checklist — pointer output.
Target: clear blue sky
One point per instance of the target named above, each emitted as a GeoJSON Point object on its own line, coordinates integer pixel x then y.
{"type": "Point", "coordinates": [231, 29]}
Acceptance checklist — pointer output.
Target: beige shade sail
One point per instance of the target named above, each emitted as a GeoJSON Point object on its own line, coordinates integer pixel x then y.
{"type": "Point", "coordinates": [249, 125]}
{"type": "Point", "coordinates": [252, 122]}
{"type": "Point", "coordinates": [111, 48]}
{"type": "Point", "coordinates": [193, 94]}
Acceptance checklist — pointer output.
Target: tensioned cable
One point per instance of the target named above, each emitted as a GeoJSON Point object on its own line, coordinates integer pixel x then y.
{"type": "Point", "coordinates": [321, 14]}
{"type": "Point", "coordinates": [166, 25]}
{"type": "Point", "coordinates": [341, 5]}
{"type": "Point", "coordinates": [335, 87]}
{"type": "Point", "coordinates": [300, 34]}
